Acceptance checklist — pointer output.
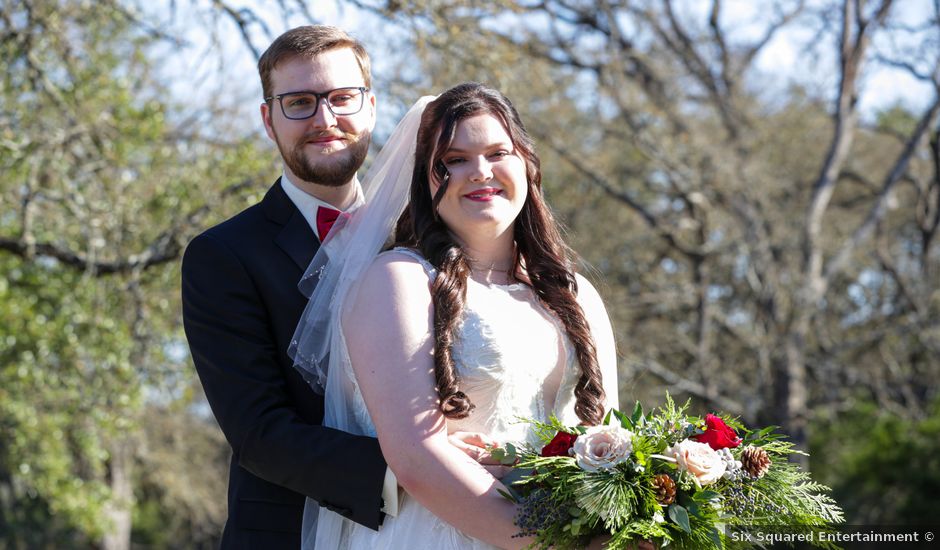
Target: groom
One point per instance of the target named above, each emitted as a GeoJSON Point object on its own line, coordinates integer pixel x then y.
{"type": "Point", "coordinates": [241, 303]}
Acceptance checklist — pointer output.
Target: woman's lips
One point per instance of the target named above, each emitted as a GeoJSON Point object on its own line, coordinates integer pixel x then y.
{"type": "Point", "coordinates": [483, 195]}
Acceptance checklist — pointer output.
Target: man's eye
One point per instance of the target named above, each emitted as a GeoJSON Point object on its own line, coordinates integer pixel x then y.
{"type": "Point", "coordinates": [341, 99]}
{"type": "Point", "coordinates": [299, 102]}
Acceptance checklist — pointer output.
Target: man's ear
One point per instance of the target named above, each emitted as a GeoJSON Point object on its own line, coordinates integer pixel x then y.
{"type": "Point", "coordinates": [372, 104]}
{"type": "Point", "coordinates": [266, 120]}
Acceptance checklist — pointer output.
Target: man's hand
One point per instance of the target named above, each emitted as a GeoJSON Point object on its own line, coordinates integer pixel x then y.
{"type": "Point", "coordinates": [476, 445]}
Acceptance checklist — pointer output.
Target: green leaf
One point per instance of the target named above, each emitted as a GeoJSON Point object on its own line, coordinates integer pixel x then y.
{"type": "Point", "coordinates": [680, 517]}
{"type": "Point", "coordinates": [715, 537]}
{"type": "Point", "coordinates": [706, 496]}
{"type": "Point", "coordinates": [624, 420]}
{"type": "Point", "coordinates": [508, 496]}
{"type": "Point", "coordinates": [516, 476]}
{"type": "Point", "coordinates": [689, 502]}
{"type": "Point", "coordinates": [637, 417]}
{"type": "Point", "coordinates": [511, 455]}
{"type": "Point", "coordinates": [762, 434]}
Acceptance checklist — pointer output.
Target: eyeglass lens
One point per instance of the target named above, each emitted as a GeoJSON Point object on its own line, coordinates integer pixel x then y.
{"type": "Point", "coordinates": [342, 101]}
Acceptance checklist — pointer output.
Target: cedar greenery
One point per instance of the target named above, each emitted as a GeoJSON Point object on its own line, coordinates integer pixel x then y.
{"type": "Point", "coordinates": [620, 502]}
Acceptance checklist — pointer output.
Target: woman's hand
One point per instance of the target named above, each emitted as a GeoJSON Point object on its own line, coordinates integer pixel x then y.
{"type": "Point", "coordinates": [477, 446]}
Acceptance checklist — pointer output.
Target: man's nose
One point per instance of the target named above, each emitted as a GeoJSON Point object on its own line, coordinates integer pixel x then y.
{"type": "Point", "coordinates": [323, 117]}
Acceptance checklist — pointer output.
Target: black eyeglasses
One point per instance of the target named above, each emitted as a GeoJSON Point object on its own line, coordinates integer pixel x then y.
{"type": "Point", "coordinates": [340, 102]}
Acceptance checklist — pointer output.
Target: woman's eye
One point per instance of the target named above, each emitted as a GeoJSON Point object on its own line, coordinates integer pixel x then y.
{"type": "Point", "coordinates": [453, 160]}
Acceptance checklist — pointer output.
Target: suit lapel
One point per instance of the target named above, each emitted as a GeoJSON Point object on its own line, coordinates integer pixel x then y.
{"type": "Point", "coordinates": [296, 238]}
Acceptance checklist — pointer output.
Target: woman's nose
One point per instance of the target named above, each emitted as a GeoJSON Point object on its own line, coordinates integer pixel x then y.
{"type": "Point", "coordinates": [481, 171]}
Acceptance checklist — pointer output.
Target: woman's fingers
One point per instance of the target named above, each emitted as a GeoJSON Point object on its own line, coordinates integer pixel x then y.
{"type": "Point", "coordinates": [475, 445]}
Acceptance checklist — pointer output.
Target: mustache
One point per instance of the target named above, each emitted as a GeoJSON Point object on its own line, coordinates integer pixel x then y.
{"type": "Point", "coordinates": [327, 134]}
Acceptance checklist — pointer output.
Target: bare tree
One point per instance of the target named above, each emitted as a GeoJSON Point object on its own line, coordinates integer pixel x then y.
{"type": "Point", "coordinates": [760, 231]}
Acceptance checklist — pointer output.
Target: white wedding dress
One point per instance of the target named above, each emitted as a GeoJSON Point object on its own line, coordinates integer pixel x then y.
{"type": "Point", "coordinates": [509, 350]}
{"type": "Point", "coordinates": [508, 345]}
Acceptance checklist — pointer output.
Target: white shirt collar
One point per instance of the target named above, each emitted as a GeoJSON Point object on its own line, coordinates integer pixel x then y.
{"type": "Point", "coordinates": [308, 204]}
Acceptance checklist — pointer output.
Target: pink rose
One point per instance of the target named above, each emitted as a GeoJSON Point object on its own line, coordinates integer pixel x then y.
{"type": "Point", "coordinates": [698, 459]}
{"type": "Point", "coordinates": [603, 447]}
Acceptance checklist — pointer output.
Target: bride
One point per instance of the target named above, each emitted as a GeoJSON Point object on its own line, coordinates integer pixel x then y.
{"type": "Point", "coordinates": [474, 319]}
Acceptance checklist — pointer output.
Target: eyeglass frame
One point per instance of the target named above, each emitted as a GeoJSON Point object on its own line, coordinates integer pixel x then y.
{"type": "Point", "coordinates": [321, 95]}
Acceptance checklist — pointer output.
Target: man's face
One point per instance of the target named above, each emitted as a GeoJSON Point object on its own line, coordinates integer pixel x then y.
{"type": "Point", "coordinates": [324, 149]}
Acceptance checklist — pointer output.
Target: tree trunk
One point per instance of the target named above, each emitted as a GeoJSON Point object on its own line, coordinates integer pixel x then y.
{"type": "Point", "coordinates": [118, 512]}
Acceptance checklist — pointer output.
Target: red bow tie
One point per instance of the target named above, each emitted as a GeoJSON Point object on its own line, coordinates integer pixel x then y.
{"type": "Point", "coordinates": [325, 218]}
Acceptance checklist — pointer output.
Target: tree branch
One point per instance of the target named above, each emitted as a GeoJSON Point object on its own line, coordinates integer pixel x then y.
{"type": "Point", "coordinates": [877, 211]}
{"type": "Point", "coordinates": [165, 248]}
{"type": "Point", "coordinates": [680, 384]}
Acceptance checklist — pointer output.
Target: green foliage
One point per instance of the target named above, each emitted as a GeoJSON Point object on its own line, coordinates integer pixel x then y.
{"type": "Point", "coordinates": [882, 466]}
{"type": "Point", "coordinates": [897, 119]}
{"type": "Point", "coordinates": [101, 166]}
{"type": "Point", "coordinates": [57, 402]}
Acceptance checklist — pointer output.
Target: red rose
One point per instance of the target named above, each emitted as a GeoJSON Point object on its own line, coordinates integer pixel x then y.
{"type": "Point", "coordinates": [559, 445]}
{"type": "Point", "coordinates": [717, 434]}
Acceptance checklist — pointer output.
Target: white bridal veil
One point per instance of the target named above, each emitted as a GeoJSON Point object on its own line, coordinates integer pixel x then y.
{"type": "Point", "coordinates": [319, 347]}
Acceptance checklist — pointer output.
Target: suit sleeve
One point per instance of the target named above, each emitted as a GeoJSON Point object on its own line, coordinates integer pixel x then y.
{"type": "Point", "coordinates": [235, 354]}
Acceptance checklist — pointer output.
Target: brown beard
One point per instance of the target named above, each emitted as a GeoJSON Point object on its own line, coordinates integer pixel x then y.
{"type": "Point", "coordinates": [334, 172]}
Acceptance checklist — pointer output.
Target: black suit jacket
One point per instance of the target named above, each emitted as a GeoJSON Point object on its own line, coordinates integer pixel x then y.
{"type": "Point", "coordinates": [240, 308]}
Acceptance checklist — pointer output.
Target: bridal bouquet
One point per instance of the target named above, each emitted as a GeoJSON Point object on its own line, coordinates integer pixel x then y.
{"type": "Point", "coordinates": [680, 481]}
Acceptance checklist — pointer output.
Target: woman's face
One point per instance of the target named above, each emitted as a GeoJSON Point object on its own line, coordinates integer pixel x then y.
{"type": "Point", "coordinates": [487, 185]}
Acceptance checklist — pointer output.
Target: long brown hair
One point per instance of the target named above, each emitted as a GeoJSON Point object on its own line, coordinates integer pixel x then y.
{"type": "Point", "coordinates": [539, 246]}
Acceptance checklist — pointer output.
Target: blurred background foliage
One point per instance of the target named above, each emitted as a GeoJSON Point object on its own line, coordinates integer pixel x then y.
{"type": "Point", "coordinates": [764, 246]}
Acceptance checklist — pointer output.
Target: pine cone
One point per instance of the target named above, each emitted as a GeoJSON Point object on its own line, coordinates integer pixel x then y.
{"type": "Point", "coordinates": [665, 489]}
{"type": "Point", "coordinates": [755, 462]}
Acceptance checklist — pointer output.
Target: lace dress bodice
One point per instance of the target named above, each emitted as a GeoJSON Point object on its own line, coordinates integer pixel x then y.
{"type": "Point", "coordinates": [508, 345]}
{"type": "Point", "coordinates": [507, 349]}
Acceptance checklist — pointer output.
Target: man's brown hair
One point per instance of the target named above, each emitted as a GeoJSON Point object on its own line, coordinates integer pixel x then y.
{"type": "Point", "coordinates": [309, 41]}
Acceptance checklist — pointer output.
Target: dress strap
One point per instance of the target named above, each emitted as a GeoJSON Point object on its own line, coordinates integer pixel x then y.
{"type": "Point", "coordinates": [412, 253]}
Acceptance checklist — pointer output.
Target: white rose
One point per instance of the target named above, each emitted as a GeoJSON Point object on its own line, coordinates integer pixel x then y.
{"type": "Point", "coordinates": [603, 447]}
{"type": "Point", "coordinates": [699, 459]}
